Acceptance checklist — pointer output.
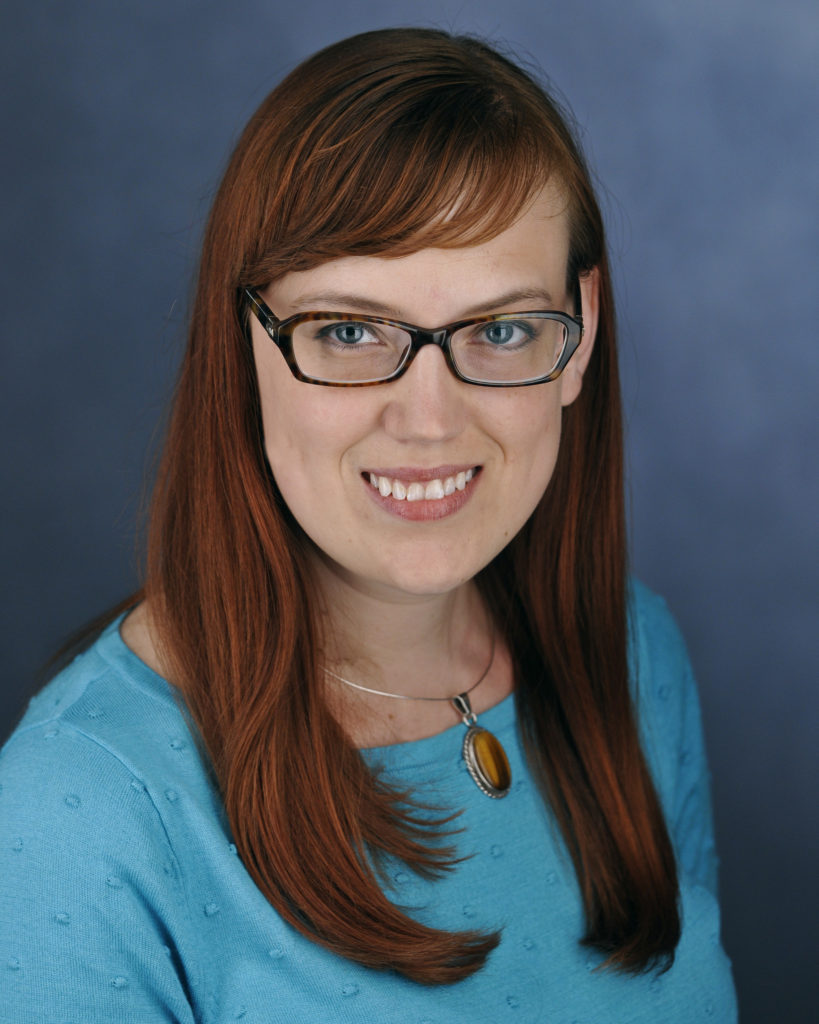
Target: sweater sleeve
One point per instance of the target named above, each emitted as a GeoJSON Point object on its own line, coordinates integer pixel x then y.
{"type": "Point", "coordinates": [91, 901]}
{"type": "Point", "coordinates": [670, 718]}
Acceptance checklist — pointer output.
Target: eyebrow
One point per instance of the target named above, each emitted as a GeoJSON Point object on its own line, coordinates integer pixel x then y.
{"type": "Point", "coordinates": [363, 304]}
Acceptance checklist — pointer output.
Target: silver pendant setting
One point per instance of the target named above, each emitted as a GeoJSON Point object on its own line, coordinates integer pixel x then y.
{"type": "Point", "coordinates": [483, 753]}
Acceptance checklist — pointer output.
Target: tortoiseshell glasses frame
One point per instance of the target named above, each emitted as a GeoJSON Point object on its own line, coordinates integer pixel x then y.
{"type": "Point", "coordinates": [281, 333]}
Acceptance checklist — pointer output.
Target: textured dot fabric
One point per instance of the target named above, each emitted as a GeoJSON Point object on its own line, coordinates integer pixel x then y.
{"type": "Point", "coordinates": [122, 897]}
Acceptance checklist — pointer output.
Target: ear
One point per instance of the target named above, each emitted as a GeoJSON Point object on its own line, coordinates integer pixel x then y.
{"type": "Point", "coordinates": [572, 377]}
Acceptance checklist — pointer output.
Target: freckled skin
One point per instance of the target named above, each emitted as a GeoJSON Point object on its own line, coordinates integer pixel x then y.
{"type": "Point", "coordinates": [320, 440]}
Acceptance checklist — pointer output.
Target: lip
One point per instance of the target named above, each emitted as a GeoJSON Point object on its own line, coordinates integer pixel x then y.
{"type": "Point", "coordinates": [422, 511]}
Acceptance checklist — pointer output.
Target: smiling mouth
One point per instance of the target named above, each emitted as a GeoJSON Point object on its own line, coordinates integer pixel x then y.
{"type": "Point", "coordinates": [421, 490]}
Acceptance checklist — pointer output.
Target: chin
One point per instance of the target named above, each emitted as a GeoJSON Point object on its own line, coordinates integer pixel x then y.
{"type": "Point", "coordinates": [426, 576]}
{"type": "Point", "coordinates": [426, 587]}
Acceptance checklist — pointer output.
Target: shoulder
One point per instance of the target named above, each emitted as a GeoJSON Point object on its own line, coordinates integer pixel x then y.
{"type": "Point", "coordinates": [664, 690]}
{"type": "Point", "coordinates": [109, 732]}
{"type": "Point", "coordinates": [670, 722]}
{"type": "Point", "coordinates": [86, 775]}
{"type": "Point", "coordinates": [71, 806]}
{"type": "Point", "coordinates": [106, 706]}
{"type": "Point", "coordinates": [89, 859]}
{"type": "Point", "coordinates": [85, 752]}
{"type": "Point", "coordinates": [661, 674]}
{"type": "Point", "coordinates": [653, 627]}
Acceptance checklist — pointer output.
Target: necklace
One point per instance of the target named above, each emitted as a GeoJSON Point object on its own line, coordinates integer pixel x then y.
{"type": "Point", "coordinates": [482, 751]}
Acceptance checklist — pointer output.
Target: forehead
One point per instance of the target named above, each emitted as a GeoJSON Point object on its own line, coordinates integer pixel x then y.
{"type": "Point", "coordinates": [528, 257]}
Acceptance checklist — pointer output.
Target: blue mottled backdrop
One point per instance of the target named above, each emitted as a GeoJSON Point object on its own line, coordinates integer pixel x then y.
{"type": "Point", "coordinates": [700, 121]}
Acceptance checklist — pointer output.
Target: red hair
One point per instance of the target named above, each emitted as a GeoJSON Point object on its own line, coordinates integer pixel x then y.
{"type": "Point", "coordinates": [384, 144]}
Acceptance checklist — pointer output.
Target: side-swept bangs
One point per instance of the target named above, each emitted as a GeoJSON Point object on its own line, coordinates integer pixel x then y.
{"type": "Point", "coordinates": [353, 156]}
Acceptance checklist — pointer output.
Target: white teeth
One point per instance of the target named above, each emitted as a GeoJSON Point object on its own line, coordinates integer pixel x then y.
{"type": "Point", "coordinates": [433, 490]}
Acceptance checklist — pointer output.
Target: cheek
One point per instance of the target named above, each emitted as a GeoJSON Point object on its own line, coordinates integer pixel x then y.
{"type": "Point", "coordinates": [540, 468]}
{"type": "Point", "coordinates": [280, 442]}
{"type": "Point", "coordinates": [286, 428]}
{"type": "Point", "coordinates": [531, 430]}
{"type": "Point", "coordinates": [532, 451]}
{"type": "Point", "coordinates": [307, 430]}
{"type": "Point", "coordinates": [299, 461]}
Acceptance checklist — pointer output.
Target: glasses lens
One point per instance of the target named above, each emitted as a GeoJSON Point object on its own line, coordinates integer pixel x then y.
{"type": "Point", "coordinates": [509, 350]}
{"type": "Point", "coordinates": [348, 351]}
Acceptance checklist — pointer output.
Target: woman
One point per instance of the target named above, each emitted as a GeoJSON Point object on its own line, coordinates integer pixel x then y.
{"type": "Point", "coordinates": [388, 735]}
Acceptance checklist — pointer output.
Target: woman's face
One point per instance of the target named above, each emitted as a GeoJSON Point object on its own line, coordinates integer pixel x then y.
{"type": "Point", "coordinates": [325, 445]}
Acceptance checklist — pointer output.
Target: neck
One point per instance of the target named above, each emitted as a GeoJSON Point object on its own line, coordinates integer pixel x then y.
{"type": "Point", "coordinates": [414, 645]}
{"type": "Point", "coordinates": [406, 640]}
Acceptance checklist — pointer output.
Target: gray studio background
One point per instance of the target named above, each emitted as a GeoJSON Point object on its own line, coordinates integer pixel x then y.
{"type": "Point", "coordinates": [700, 120]}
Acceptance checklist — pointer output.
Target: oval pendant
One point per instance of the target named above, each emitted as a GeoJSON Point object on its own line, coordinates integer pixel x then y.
{"type": "Point", "coordinates": [487, 762]}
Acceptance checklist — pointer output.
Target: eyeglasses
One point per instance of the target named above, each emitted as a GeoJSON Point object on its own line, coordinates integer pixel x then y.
{"type": "Point", "coordinates": [505, 350]}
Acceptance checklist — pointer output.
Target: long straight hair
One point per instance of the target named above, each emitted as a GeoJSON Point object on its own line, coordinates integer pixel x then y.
{"type": "Point", "coordinates": [381, 145]}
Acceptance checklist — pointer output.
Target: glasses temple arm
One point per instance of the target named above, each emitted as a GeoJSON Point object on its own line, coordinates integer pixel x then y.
{"type": "Point", "coordinates": [261, 309]}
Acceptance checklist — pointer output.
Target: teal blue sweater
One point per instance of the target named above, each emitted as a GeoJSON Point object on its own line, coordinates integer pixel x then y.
{"type": "Point", "coordinates": [123, 900]}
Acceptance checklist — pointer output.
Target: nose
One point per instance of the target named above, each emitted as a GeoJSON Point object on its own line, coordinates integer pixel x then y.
{"type": "Point", "coordinates": [426, 404]}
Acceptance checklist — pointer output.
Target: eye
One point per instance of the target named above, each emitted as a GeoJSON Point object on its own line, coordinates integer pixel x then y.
{"type": "Point", "coordinates": [504, 333]}
{"type": "Point", "coordinates": [347, 333]}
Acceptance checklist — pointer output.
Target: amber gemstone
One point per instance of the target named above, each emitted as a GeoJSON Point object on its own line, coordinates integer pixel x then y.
{"type": "Point", "coordinates": [489, 760]}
